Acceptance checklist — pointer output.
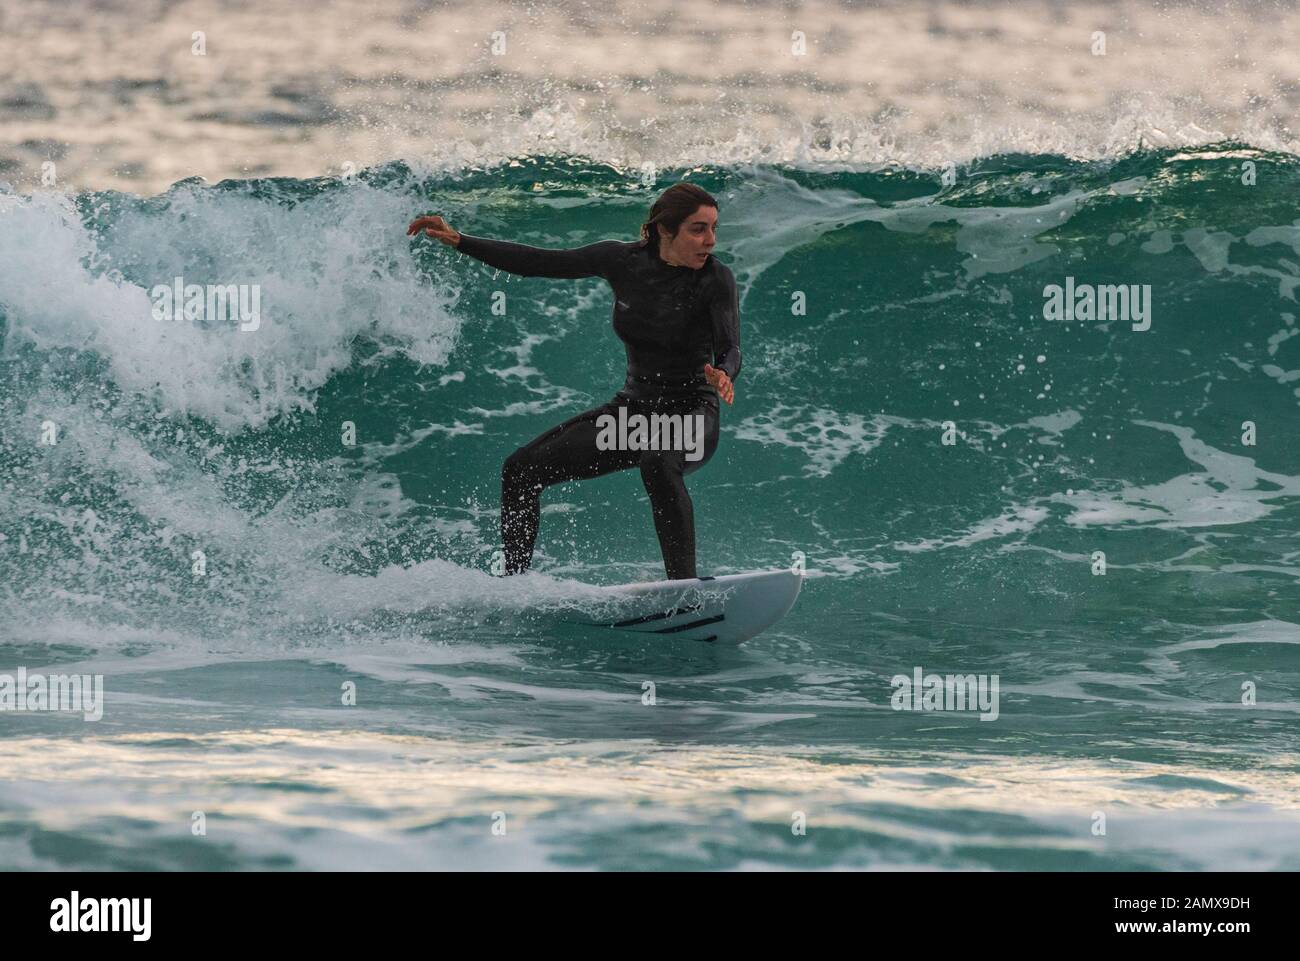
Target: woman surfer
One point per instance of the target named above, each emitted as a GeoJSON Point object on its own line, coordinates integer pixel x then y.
{"type": "Point", "coordinates": [676, 311]}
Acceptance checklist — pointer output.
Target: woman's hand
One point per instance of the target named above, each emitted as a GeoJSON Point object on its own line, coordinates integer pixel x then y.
{"type": "Point", "coordinates": [720, 380]}
{"type": "Point", "coordinates": [434, 227]}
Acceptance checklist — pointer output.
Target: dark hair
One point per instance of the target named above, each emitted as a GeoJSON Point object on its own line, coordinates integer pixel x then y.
{"type": "Point", "coordinates": [673, 206]}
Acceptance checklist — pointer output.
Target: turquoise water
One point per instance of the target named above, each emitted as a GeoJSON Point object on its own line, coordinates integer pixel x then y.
{"type": "Point", "coordinates": [326, 563]}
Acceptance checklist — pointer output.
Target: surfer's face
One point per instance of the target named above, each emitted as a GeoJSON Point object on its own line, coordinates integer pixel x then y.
{"type": "Point", "coordinates": [695, 239]}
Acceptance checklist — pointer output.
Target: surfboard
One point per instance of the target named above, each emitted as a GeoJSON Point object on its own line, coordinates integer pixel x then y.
{"type": "Point", "coordinates": [727, 609]}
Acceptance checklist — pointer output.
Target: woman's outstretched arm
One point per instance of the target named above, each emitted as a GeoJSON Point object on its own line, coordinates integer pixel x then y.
{"type": "Point", "coordinates": [589, 261]}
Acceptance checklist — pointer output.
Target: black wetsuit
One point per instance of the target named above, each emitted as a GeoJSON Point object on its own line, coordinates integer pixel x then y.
{"type": "Point", "coordinates": [672, 321]}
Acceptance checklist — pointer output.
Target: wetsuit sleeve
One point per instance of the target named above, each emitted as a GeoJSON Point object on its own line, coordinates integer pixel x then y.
{"type": "Point", "coordinates": [592, 260]}
{"type": "Point", "coordinates": [724, 311]}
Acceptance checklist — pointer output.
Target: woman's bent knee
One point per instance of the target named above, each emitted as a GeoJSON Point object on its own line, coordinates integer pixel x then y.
{"type": "Point", "coordinates": [518, 467]}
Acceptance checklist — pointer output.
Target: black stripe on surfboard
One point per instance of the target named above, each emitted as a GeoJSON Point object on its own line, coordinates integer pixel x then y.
{"type": "Point", "coordinates": [645, 619]}
{"type": "Point", "coordinates": [686, 627]}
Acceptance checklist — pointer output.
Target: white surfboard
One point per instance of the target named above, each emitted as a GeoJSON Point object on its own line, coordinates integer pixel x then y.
{"type": "Point", "coordinates": [727, 609]}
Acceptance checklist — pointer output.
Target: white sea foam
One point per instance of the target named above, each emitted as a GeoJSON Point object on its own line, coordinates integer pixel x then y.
{"type": "Point", "coordinates": [1225, 491]}
{"type": "Point", "coordinates": [332, 268]}
{"type": "Point", "coordinates": [826, 437]}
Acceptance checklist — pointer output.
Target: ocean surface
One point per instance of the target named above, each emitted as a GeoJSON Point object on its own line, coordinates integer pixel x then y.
{"type": "Point", "coordinates": [275, 544]}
